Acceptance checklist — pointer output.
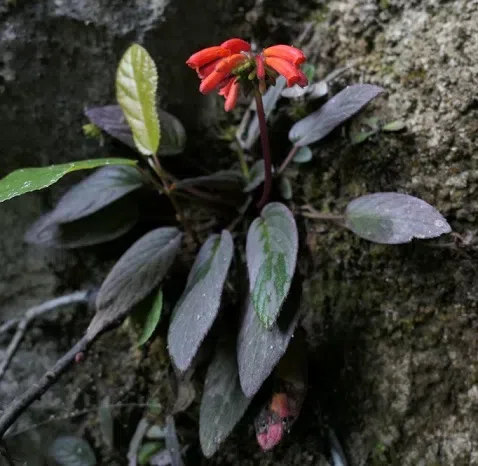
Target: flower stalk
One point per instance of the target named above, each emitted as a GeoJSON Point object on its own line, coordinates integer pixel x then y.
{"type": "Point", "coordinates": [266, 153]}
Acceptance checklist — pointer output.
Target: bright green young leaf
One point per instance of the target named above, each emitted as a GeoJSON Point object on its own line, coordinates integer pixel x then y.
{"type": "Point", "coordinates": [152, 319]}
{"type": "Point", "coordinates": [396, 125]}
{"type": "Point", "coordinates": [136, 83]}
{"type": "Point", "coordinates": [31, 179]}
{"type": "Point", "coordinates": [271, 250]}
{"type": "Point", "coordinates": [147, 450]}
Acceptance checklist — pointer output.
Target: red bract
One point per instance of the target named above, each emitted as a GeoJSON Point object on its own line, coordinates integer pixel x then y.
{"type": "Point", "coordinates": [225, 66]}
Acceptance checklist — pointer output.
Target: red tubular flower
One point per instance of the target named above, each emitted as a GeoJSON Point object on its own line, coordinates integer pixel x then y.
{"type": "Point", "coordinates": [236, 45]}
{"type": "Point", "coordinates": [228, 65]}
{"type": "Point", "coordinates": [286, 52]}
{"type": "Point", "coordinates": [261, 70]}
{"type": "Point", "coordinates": [232, 95]}
{"type": "Point", "coordinates": [205, 56]}
{"type": "Point", "coordinates": [285, 68]}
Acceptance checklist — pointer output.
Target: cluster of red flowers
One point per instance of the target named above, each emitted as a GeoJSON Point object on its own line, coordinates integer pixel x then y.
{"type": "Point", "coordinates": [224, 66]}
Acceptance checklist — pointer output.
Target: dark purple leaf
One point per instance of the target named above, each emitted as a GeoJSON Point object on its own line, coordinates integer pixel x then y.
{"type": "Point", "coordinates": [103, 187]}
{"type": "Point", "coordinates": [199, 304]}
{"type": "Point", "coordinates": [394, 218]}
{"type": "Point", "coordinates": [223, 403]}
{"type": "Point", "coordinates": [105, 225]}
{"type": "Point", "coordinates": [112, 121]}
{"type": "Point", "coordinates": [259, 349]}
{"type": "Point", "coordinates": [288, 393]}
{"type": "Point", "coordinates": [141, 269]}
{"type": "Point", "coordinates": [225, 179]}
{"type": "Point", "coordinates": [336, 111]}
{"type": "Point", "coordinates": [271, 250]}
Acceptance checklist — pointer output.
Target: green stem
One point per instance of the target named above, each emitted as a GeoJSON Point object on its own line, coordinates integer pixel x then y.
{"type": "Point", "coordinates": [242, 162]}
{"type": "Point", "coordinates": [266, 153]}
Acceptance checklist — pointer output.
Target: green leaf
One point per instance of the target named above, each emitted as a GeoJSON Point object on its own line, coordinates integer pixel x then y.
{"type": "Point", "coordinates": [271, 250]}
{"type": "Point", "coordinates": [147, 450]}
{"type": "Point", "coordinates": [285, 188]}
{"type": "Point", "coordinates": [198, 306]}
{"type": "Point", "coordinates": [31, 179]}
{"type": "Point", "coordinates": [358, 138]}
{"type": "Point", "coordinates": [152, 319]}
{"type": "Point", "coordinates": [303, 155]}
{"type": "Point", "coordinates": [223, 403]}
{"type": "Point", "coordinates": [396, 125]}
{"type": "Point", "coordinates": [139, 270]}
{"type": "Point", "coordinates": [394, 218]}
{"type": "Point", "coordinates": [309, 71]}
{"type": "Point", "coordinates": [136, 83]}
{"type": "Point", "coordinates": [72, 451]}
{"type": "Point", "coordinates": [256, 176]}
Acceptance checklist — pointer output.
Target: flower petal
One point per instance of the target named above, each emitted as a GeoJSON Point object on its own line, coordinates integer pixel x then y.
{"type": "Point", "coordinates": [285, 68]}
{"type": "Point", "coordinates": [232, 96]}
{"type": "Point", "coordinates": [205, 56]}
{"type": "Point", "coordinates": [303, 81]}
{"type": "Point", "coordinates": [225, 90]}
{"type": "Point", "coordinates": [206, 70]}
{"type": "Point", "coordinates": [212, 81]}
{"type": "Point", "coordinates": [226, 65]}
{"type": "Point", "coordinates": [286, 52]}
{"type": "Point", "coordinates": [236, 45]}
{"type": "Point", "coordinates": [261, 71]}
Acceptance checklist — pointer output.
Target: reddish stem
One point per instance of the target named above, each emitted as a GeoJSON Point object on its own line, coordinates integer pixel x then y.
{"type": "Point", "coordinates": [266, 152]}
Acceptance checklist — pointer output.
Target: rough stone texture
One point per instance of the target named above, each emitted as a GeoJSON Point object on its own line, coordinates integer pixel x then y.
{"type": "Point", "coordinates": [392, 330]}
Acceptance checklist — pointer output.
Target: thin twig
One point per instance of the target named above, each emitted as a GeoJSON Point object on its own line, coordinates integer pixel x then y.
{"type": "Point", "coordinates": [309, 212]}
{"type": "Point", "coordinates": [287, 160]}
{"type": "Point", "coordinates": [8, 325]}
{"type": "Point", "coordinates": [22, 402]}
{"type": "Point", "coordinates": [33, 313]}
{"type": "Point", "coordinates": [75, 414]}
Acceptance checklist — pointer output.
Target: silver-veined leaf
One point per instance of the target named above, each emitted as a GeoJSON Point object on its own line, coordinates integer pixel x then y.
{"type": "Point", "coordinates": [260, 349]}
{"type": "Point", "coordinates": [271, 250]}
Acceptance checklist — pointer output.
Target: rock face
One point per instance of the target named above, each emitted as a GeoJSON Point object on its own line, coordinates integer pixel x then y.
{"type": "Point", "coordinates": [392, 330]}
{"type": "Point", "coordinates": [56, 57]}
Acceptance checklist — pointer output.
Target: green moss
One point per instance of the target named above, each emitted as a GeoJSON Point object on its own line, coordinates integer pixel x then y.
{"type": "Point", "coordinates": [320, 15]}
